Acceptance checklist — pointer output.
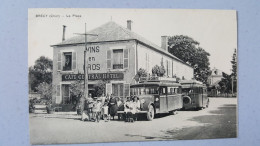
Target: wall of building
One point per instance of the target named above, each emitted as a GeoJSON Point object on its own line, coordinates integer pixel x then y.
{"type": "Point", "coordinates": [97, 60]}
{"type": "Point", "coordinates": [148, 58]}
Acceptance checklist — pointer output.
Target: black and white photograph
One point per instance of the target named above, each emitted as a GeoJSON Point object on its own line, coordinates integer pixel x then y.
{"type": "Point", "coordinates": [124, 75]}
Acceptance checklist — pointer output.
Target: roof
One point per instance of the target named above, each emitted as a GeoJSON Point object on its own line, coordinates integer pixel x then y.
{"type": "Point", "coordinates": [111, 31]}
{"type": "Point", "coordinates": [191, 83]}
{"type": "Point", "coordinates": [156, 84]}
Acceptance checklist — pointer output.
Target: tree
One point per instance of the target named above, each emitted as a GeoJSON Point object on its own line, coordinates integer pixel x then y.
{"type": "Point", "coordinates": [187, 49]}
{"type": "Point", "coordinates": [100, 87]}
{"type": "Point", "coordinates": [234, 70]}
{"type": "Point", "coordinates": [159, 70]}
{"type": "Point", "coordinates": [225, 83]}
{"type": "Point", "coordinates": [45, 90]}
{"type": "Point", "coordinates": [140, 73]}
{"type": "Point", "coordinates": [40, 72]}
{"type": "Point", "coordinates": [234, 64]}
{"type": "Point", "coordinates": [77, 92]}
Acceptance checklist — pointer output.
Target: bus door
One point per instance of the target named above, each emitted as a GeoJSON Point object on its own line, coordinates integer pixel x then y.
{"type": "Point", "coordinates": [163, 99]}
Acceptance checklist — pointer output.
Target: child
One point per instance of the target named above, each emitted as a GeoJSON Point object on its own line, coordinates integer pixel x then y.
{"type": "Point", "coordinates": [105, 111]}
{"type": "Point", "coordinates": [97, 109]}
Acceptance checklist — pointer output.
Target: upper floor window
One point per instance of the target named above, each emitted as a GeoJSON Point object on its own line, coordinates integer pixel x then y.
{"type": "Point", "coordinates": [67, 61]}
{"type": "Point", "coordinates": [117, 58]}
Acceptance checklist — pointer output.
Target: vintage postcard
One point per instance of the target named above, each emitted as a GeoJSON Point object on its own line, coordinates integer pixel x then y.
{"type": "Point", "coordinates": [113, 75]}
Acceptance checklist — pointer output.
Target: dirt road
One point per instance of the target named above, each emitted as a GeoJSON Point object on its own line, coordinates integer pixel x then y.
{"type": "Point", "coordinates": [217, 121]}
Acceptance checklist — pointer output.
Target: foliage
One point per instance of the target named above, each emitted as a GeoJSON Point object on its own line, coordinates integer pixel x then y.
{"type": "Point", "coordinates": [228, 80]}
{"type": "Point", "coordinates": [77, 90]}
{"type": "Point", "coordinates": [234, 70]}
{"type": "Point", "coordinates": [140, 73]}
{"type": "Point", "coordinates": [225, 83]}
{"type": "Point", "coordinates": [159, 70]}
{"type": "Point", "coordinates": [40, 72]}
{"type": "Point", "coordinates": [46, 90]}
{"type": "Point", "coordinates": [100, 88]}
{"type": "Point", "coordinates": [234, 64]}
{"type": "Point", "coordinates": [187, 49]}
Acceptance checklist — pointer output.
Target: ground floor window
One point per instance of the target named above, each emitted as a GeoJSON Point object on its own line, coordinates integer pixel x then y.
{"type": "Point", "coordinates": [118, 89]}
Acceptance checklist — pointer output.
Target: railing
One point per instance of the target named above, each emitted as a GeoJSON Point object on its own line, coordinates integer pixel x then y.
{"type": "Point", "coordinates": [156, 78]}
{"type": "Point", "coordinates": [118, 66]}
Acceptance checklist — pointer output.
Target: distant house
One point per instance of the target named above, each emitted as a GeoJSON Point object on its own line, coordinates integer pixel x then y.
{"type": "Point", "coordinates": [213, 80]}
{"type": "Point", "coordinates": [215, 77]}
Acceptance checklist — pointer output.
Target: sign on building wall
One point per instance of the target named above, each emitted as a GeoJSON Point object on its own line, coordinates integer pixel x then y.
{"type": "Point", "coordinates": [93, 76]}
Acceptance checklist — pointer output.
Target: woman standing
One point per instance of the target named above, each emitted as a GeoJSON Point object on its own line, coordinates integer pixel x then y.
{"type": "Point", "coordinates": [113, 106]}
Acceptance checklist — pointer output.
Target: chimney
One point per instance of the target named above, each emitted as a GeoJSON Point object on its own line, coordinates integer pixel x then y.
{"type": "Point", "coordinates": [129, 23]}
{"type": "Point", "coordinates": [164, 41]}
{"type": "Point", "coordinates": [64, 30]}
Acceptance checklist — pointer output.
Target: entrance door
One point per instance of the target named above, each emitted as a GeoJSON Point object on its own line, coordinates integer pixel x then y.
{"type": "Point", "coordinates": [66, 94]}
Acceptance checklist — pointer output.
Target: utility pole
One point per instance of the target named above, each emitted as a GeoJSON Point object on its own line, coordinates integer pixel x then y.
{"type": "Point", "coordinates": [86, 61]}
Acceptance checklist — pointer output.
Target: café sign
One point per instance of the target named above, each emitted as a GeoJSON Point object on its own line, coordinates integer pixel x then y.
{"type": "Point", "coordinates": [93, 76]}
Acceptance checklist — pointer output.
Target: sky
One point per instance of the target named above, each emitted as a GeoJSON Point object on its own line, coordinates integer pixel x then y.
{"type": "Point", "coordinates": [215, 30]}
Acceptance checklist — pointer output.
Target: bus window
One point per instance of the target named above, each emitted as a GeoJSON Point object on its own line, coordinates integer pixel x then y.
{"type": "Point", "coordinates": [163, 90]}
{"type": "Point", "coordinates": [170, 90]}
{"type": "Point", "coordinates": [179, 90]}
{"type": "Point", "coordinates": [153, 90]}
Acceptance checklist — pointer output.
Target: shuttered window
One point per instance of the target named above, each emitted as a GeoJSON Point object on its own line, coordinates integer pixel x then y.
{"type": "Point", "coordinates": [126, 90]}
{"type": "Point", "coordinates": [109, 88]}
{"type": "Point", "coordinates": [126, 58]}
{"type": "Point", "coordinates": [109, 65]}
{"type": "Point", "coordinates": [74, 60]}
{"type": "Point", "coordinates": [59, 61]}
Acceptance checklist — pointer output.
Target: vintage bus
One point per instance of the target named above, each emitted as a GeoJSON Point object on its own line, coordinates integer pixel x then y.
{"type": "Point", "coordinates": [194, 94]}
{"type": "Point", "coordinates": [157, 96]}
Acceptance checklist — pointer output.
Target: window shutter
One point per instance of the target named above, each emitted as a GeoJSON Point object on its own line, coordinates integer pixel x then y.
{"type": "Point", "coordinates": [59, 61]}
{"type": "Point", "coordinates": [109, 88]}
{"type": "Point", "coordinates": [74, 60]}
{"type": "Point", "coordinates": [109, 64]}
{"type": "Point", "coordinates": [127, 90]}
{"type": "Point", "coordinates": [125, 58]}
{"type": "Point", "coordinates": [58, 96]}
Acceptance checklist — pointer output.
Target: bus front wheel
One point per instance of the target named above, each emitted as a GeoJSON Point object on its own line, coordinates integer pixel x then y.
{"type": "Point", "coordinates": [150, 113]}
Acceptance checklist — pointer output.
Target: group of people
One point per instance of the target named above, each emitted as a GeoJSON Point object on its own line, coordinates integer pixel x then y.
{"type": "Point", "coordinates": [100, 107]}
{"type": "Point", "coordinates": [106, 107]}
{"type": "Point", "coordinates": [131, 107]}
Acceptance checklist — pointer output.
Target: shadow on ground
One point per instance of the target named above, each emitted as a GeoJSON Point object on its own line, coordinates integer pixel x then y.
{"type": "Point", "coordinates": [220, 123]}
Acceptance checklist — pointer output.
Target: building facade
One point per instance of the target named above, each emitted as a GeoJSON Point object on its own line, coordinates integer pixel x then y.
{"type": "Point", "coordinates": [116, 55]}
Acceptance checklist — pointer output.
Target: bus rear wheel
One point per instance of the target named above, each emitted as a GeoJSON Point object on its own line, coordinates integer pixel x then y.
{"type": "Point", "coordinates": [150, 113]}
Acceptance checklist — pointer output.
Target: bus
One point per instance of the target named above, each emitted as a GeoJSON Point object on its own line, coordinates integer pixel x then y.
{"type": "Point", "coordinates": [157, 96]}
{"type": "Point", "coordinates": [194, 94]}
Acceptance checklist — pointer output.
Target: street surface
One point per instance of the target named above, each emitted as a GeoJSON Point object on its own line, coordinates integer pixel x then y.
{"type": "Point", "coordinates": [217, 121]}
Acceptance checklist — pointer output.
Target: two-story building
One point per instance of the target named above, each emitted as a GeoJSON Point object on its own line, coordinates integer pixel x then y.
{"type": "Point", "coordinates": [115, 54]}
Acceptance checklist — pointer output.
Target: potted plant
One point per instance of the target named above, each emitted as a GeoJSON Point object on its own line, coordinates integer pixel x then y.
{"type": "Point", "coordinates": [50, 108]}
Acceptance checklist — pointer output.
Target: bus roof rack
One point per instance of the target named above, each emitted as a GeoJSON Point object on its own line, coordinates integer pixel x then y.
{"type": "Point", "coordinates": [157, 79]}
